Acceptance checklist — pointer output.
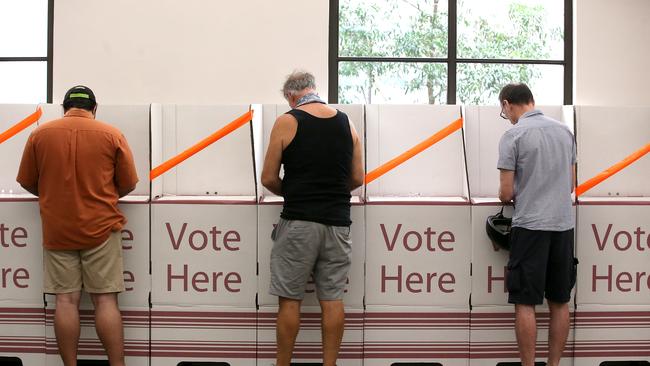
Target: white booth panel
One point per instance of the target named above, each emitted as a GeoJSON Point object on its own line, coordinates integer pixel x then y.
{"type": "Point", "coordinates": [439, 171]}
{"type": "Point", "coordinates": [613, 247]}
{"type": "Point", "coordinates": [225, 168]}
{"type": "Point", "coordinates": [12, 149]}
{"type": "Point", "coordinates": [606, 135]}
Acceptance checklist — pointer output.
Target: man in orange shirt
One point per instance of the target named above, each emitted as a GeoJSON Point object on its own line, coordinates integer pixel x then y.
{"type": "Point", "coordinates": [79, 167]}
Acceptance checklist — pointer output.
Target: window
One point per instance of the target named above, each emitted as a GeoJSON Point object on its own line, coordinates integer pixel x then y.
{"type": "Point", "coordinates": [449, 51]}
{"type": "Point", "coordinates": [26, 51]}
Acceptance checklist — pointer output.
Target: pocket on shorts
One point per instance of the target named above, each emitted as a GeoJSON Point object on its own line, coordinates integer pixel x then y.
{"type": "Point", "coordinates": [574, 273]}
{"type": "Point", "coordinates": [514, 278]}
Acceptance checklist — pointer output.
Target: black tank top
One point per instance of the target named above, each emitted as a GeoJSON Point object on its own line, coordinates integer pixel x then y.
{"type": "Point", "coordinates": [317, 168]}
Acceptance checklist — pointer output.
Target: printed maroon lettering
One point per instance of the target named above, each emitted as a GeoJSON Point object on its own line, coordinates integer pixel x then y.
{"type": "Point", "coordinates": [601, 243]}
{"type": "Point", "coordinates": [19, 277]}
{"type": "Point", "coordinates": [13, 237]}
{"type": "Point", "coordinates": [176, 243]}
{"type": "Point", "coordinates": [390, 245]}
{"type": "Point", "coordinates": [127, 239]}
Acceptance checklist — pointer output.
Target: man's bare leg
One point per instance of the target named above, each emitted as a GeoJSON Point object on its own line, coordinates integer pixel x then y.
{"type": "Point", "coordinates": [66, 326]}
{"type": "Point", "coordinates": [108, 324]}
{"type": "Point", "coordinates": [287, 327]}
{"type": "Point", "coordinates": [558, 331]}
{"type": "Point", "coordinates": [332, 323]}
{"type": "Point", "coordinates": [526, 331]}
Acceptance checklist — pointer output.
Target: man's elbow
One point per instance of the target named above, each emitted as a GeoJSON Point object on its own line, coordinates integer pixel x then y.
{"type": "Point", "coordinates": [32, 190]}
{"type": "Point", "coordinates": [356, 182]}
{"type": "Point", "coordinates": [123, 192]}
{"type": "Point", "coordinates": [267, 181]}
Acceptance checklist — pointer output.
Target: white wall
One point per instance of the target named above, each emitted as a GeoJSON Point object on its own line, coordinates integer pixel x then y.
{"type": "Point", "coordinates": [188, 51]}
{"type": "Point", "coordinates": [612, 64]}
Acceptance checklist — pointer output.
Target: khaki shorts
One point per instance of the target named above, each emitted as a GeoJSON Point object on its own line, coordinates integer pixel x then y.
{"type": "Point", "coordinates": [99, 270]}
{"type": "Point", "coordinates": [304, 248]}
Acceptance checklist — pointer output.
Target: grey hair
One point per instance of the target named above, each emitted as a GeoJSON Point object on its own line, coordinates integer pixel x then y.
{"type": "Point", "coordinates": [298, 81]}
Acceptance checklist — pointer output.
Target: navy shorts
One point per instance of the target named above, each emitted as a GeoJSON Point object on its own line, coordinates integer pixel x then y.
{"type": "Point", "coordinates": [541, 265]}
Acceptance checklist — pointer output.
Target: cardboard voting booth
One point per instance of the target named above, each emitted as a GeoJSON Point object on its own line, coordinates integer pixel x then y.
{"type": "Point", "coordinates": [204, 236]}
{"type": "Point", "coordinates": [417, 238]}
{"type": "Point", "coordinates": [613, 243]}
{"type": "Point", "coordinates": [492, 321]}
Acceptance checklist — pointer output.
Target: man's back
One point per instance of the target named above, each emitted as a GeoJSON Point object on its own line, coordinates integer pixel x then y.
{"type": "Point", "coordinates": [541, 151]}
{"type": "Point", "coordinates": [79, 165]}
{"type": "Point", "coordinates": [318, 164]}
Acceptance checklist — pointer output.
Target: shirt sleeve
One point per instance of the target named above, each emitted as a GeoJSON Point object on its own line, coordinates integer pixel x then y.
{"type": "Point", "coordinates": [125, 174]}
{"type": "Point", "coordinates": [507, 153]}
{"type": "Point", "coordinates": [28, 170]}
{"type": "Point", "coordinates": [573, 151]}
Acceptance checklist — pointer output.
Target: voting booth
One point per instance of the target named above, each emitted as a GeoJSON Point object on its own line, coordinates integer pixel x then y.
{"type": "Point", "coordinates": [492, 331]}
{"type": "Point", "coordinates": [613, 316]}
{"type": "Point", "coordinates": [133, 122]}
{"type": "Point", "coordinates": [204, 234]}
{"type": "Point", "coordinates": [418, 244]}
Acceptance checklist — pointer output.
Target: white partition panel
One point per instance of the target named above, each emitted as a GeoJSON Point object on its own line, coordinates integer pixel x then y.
{"type": "Point", "coordinates": [606, 135]}
{"type": "Point", "coordinates": [225, 168]}
{"type": "Point", "coordinates": [21, 253]}
{"type": "Point", "coordinates": [439, 171]}
{"type": "Point", "coordinates": [12, 149]}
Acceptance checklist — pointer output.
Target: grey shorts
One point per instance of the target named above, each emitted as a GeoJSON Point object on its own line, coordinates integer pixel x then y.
{"type": "Point", "coordinates": [301, 248]}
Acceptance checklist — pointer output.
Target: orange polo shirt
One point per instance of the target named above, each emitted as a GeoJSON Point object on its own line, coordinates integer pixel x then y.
{"type": "Point", "coordinates": [78, 165]}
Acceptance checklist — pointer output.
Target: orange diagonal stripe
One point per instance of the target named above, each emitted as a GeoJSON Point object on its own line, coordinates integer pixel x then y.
{"type": "Point", "coordinates": [591, 183]}
{"type": "Point", "coordinates": [224, 131]}
{"type": "Point", "coordinates": [392, 164]}
{"type": "Point", "coordinates": [15, 129]}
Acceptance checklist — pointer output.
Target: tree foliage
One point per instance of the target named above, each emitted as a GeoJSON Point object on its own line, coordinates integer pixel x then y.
{"type": "Point", "coordinates": [418, 28]}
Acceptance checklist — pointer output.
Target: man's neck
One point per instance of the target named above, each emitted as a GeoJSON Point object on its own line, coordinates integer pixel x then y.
{"type": "Point", "coordinates": [523, 109]}
{"type": "Point", "coordinates": [78, 112]}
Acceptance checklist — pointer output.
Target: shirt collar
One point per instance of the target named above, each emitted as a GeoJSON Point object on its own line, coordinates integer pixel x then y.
{"type": "Point", "coordinates": [77, 112]}
{"type": "Point", "coordinates": [534, 112]}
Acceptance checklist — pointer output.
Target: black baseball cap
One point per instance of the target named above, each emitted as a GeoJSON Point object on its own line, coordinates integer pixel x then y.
{"type": "Point", "coordinates": [79, 92]}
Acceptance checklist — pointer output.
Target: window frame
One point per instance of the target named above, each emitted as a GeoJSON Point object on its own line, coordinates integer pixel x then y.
{"type": "Point", "coordinates": [452, 59]}
{"type": "Point", "coordinates": [50, 52]}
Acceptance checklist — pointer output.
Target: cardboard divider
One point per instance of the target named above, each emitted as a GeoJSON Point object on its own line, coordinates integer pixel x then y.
{"type": "Point", "coordinates": [203, 253]}
{"type": "Point", "coordinates": [612, 335]}
{"type": "Point", "coordinates": [225, 168]}
{"type": "Point", "coordinates": [12, 149]}
{"type": "Point", "coordinates": [436, 172]}
{"type": "Point", "coordinates": [21, 125]}
{"type": "Point", "coordinates": [203, 334]}
{"type": "Point", "coordinates": [196, 148]}
{"type": "Point", "coordinates": [308, 347]}
{"type": "Point", "coordinates": [606, 135]}
{"type": "Point", "coordinates": [614, 251]}
{"type": "Point", "coordinates": [21, 253]}
{"type": "Point", "coordinates": [418, 254]}
{"type": "Point", "coordinates": [493, 341]}
{"type": "Point", "coordinates": [396, 335]}
{"type": "Point", "coordinates": [23, 335]}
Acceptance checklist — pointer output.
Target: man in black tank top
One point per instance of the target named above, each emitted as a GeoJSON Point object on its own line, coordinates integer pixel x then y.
{"type": "Point", "coordinates": [321, 154]}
